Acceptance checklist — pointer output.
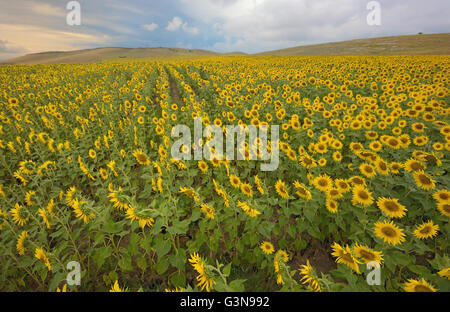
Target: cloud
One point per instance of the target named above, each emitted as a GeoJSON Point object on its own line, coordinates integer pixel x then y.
{"type": "Point", "coordinates": [150, 27]}
{"type": "Point", "coordinates": [190, 30]}
{"type": "Point", "coordinates": [258, 25]}
{"type": "Point", "coordinates": [40, 39]}
{"type": "Point", "coordinates": [174, 24]}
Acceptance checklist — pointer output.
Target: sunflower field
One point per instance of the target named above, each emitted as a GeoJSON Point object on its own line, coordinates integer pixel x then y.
{"type": "Point", "coordinates": [87, 177]}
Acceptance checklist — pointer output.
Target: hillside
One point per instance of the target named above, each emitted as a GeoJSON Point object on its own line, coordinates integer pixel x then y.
{"type": "Point", "coordinates": [101, 54]}
{"type": "Point", "coordinates": [396, 45]}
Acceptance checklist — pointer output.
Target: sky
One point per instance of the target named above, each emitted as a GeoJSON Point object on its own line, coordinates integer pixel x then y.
{"type": "Point", "coordinates": [30, 26]}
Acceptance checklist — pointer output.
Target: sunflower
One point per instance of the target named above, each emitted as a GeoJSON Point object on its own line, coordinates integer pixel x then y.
{"type": "Point", "coordinates": [391, 207]}
{"type": "Point", "coordinates": [143, 221]}
{"type": "Point", "coordinates": [382, 167]}
{"type": "Point", "coordinates": [116, 288]}
{"type": "Point", "coordinates": [342, 186]}
{"type": "Point", "coordinates": [27, 166]}
{"type": "Point", "coordinates": [205, 278]}
{"type": "Point", "coordinates": [141, 157]}
{"type": "Point", "coordinates": [280, 188]}
{"type": "Point", "coordinates": [366, 254]}
{"type": "Point", "coordinates": [362, 196]}
{"type": "Point", "coordinates": [389, 232]}
{"type": "Point", "coordinates": [375, 146]}
{"type": "Point", "coordinates": [393, 143]}
{"type": "Point", "coordinates": [426, 230]}
{"type": "Point", "coordinates": [445, 273]}
{"type": "Point", "coordinates": [442, 196]}
{"type": "Point", "coordinates": [423, 180]}
{"type": "Point", "coordinates": [334, 193]}
{"type": "Point", "coordinates": [202, 166]}
{"type": "Point", "coordinates": [103, 173]}
{"type": "Point", "coordinates": [20, 243]}
{"type": "Point", "coordinates": [308, 162]}
{"type": "Point", "coordinates": [210, 213]}
{"type": "Point", "coordinates": [82, 212]}
{"type": "Point", "coordinates": [414, 165]}
{"type": "Point", "coordinates": [92, 153]}
{"type": "Point", "coordinates": [189, 192]}
{"type": "Point", "coordinates": [345, 256]}
{"type": "Point", "coordinates": [41, 255]}
{"type": "Point", "coordinates": [444, 208]}
{"type": "Point", "coordinates": [258, 185]}
{"type": "Point", "coordinates": [331, 205]}
{"type": "Point", "coordinates": [395, 167]}
{"type": "Point", "coordinates": [309, 277]}
{"type": "Point", "coordinates": [235, 181]}
{"type": "Point", "coordinates": [323, 182]}
{"type": "Point", "coordinates": [357, 181]}
{"type": "Point", "coordinates": [19, 215]}
{"type": "Point", "coordinates": [413, 285]}
{"type": "Point", "coordinates": [251, 212]}
{"type": "Point", "coordinates": [246, 189]}
{"type": "Point", "coordinates": [367, 170]}
{"type": "Point", "coordinates": [267, 247]}
{"type": "Point", "coordinates": [302, 190]}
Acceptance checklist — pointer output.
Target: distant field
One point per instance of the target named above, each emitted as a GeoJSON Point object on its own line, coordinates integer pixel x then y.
{"type": "Point", "coordinates": [434, 44]}
{"type": "Point", "coordinates": [101, 54]}
{"type": "Point", "coordinates": [398, 45]}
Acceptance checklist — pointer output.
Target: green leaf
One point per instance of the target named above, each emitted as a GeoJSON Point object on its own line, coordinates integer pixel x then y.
{"type": "Point", "coordinates": [226, 270]}
{"type": "Point", "coordinates": [125, 263]}
{"type": "Point", "coordinates": [238, 285]}
{"type": "Point", "coordinates": [178, 280]}
{"type": "Point", "coordinates": [162, 248]}
{"type": "Point", "coordinates": [162, 265]}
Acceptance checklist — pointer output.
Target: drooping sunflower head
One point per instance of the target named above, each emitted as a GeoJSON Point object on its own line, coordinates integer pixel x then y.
{"type": "Point", "coordinates": [310, 277]}
{"type": "Point", "coordinates": [345, 256]}
{"type": "Point", "coordinates": [280, 188]}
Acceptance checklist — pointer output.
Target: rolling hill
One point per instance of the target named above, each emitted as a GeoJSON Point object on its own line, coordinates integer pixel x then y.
{"type": "Point", "coordinates": [395, 45]}
{"type": "Point", "coordinates": [101, 54]}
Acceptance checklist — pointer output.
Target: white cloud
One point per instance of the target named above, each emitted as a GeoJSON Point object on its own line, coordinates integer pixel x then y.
{"type": "Point", "coordinates": [259, 25]}
{"type": "Point", "coordinates": [174, 24]}
{"type": "Point", "coordinates": [190, 30]}
{"type": "Point", "coordinates": [150, 27]}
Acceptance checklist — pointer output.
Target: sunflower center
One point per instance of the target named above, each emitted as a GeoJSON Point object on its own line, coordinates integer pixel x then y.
{"type": "Point", "coordinates": [424, 179]}
{"type": "Point", "coordinates": [363, 195]}
{"type": "Point", "coordinates": [425, 230]}
{"type": "Point", "coordinates": [391, 206]}
{"type": "Point", "coordinates": [422, 288]}
{"type": "Point", "coordinates": [388, 232]}
{"type": "Point", "coordinates": [347, 258]}
{"type": "Point", "coordinates": [367, 255]}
